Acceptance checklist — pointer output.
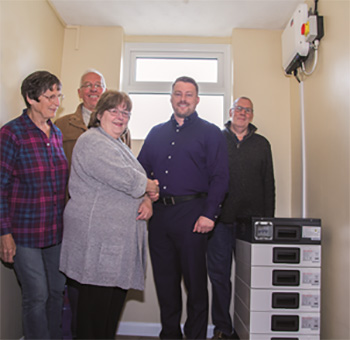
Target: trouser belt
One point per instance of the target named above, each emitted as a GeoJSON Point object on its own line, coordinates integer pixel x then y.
{"type": "Point", "coordinates": [173, 200]}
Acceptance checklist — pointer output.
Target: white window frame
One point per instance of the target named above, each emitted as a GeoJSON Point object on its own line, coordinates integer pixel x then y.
{"type": "Point", "coordinates": [221, 52]}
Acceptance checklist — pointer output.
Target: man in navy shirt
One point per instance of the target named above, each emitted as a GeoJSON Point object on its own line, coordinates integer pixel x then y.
{"type": "Point", "coordinates": [188, 156]}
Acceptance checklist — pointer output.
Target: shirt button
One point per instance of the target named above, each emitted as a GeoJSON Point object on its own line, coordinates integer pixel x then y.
{"type": "Point", "coordinates": [169, 157]}
{"type": "Point", "coordinates": [48, 144]}
{"type": "Point", "coordinates": [172, 143]}
{"type": "Point", "coordinates": [177, 130]}
{"type": "Point", "coordinates": [164, 187]}
{"type": "Point", "coordinates": [216, 216]}
{"type": "Point", "coordinates": [166, 171]}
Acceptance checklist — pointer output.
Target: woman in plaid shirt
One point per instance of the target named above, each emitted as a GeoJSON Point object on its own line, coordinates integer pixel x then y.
{"type": "Point", "coordinates": [34, 173]}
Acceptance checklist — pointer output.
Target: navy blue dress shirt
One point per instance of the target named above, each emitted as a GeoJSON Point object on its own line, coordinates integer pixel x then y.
{"type": "Point", "coordinates": [188, 159]}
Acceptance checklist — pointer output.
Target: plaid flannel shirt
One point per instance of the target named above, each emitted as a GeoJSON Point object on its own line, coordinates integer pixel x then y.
{"type": "Point", "coordinates": [33, 178]}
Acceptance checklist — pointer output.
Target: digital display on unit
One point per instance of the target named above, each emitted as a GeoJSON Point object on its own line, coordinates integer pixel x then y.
{"type": "Point", "coordinates": [263, 230]}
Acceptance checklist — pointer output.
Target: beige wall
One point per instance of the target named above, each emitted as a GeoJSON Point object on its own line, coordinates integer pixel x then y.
{"type": "Point", "coordinates": [31, 39]}
{"type": "Point", "coordinates": [327, 109]}
{"type": "Point", "coordinates": [89, 47]}
{"type": "Point", "coordinates": [178, 39]}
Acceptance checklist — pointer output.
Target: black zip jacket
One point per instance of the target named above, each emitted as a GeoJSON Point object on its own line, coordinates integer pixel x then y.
{"type": "Point", "coordinates": [252, 185]}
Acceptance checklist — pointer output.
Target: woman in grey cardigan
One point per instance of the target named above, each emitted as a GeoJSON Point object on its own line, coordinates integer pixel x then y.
{"type": "Point", "coordinates": [104, 240]}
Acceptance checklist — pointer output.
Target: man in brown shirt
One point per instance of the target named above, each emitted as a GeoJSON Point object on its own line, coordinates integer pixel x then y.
{"type": "Point", "coordinates": [92, 85]}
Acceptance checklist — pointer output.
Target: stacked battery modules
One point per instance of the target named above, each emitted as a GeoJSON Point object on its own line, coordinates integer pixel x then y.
{"type": "Point", "coordinates": [278, 273]}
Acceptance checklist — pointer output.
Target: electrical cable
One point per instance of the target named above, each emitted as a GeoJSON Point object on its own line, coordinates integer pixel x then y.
{"type": "Point", "coordinates": [315, 47]}
{"type": "Point", "coordinates": [315, 10]}
{"type": "Point", "coordinates": [295, 73]}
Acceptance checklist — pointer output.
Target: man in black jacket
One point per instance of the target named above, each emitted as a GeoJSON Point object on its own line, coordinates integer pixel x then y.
{"type": "Point", "coordinates": [251, 193]}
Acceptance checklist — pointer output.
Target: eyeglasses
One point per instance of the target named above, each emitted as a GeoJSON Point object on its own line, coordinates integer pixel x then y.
{"type": "Point", "coordinates": [247, 110]}
{"type": "Point", "coordinates": [54, 97]}
{"type": "Point", "coordinates": [114, 112]}
{"type": "Point", "coordinates": [90, 86]}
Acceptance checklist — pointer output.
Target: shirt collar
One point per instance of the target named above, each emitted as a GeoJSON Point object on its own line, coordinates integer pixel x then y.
{"type": "Point", "coordinates": [251, 129]}
{"type": "Point", "coordinates": [188, 120]}
{"type": "Point", "coordinates": [30, 124]}
{"type": "Point", "coordinates": [86, 113]}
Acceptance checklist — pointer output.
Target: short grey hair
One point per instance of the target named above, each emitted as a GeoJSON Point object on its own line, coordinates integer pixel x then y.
{"type": "Point", "coordinates": [92, 70]}
{"type": "Point", "coordinates": [245, 98]}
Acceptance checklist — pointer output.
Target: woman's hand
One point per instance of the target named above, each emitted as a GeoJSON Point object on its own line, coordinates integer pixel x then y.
{"type": "Point", "coordinates": [145, 209]}
{"type": "Point", "coordinates": [7, 248]}
{"type": "Point", "coordinates": [152, 189]}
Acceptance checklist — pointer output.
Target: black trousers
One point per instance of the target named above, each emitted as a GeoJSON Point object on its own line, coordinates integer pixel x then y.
{"type": "Point", "coordinates": [176, 252]}
{"type": "Point", "coordinates": [99, 310]}
{"type": "Point", "coordinates": [73, 295]}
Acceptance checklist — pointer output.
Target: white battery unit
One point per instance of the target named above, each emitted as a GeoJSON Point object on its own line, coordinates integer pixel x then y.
{"type": "Point", "coordinates": [258, 300]}
{"type": "Point", "coordinates": [262, 254]}
{"type": "Point", "coordinates": [283, 337]}
{"type": "Point", "coordinates": [245, 334]}
{"type": "Point", "coordinates": [279, 277]}
{"type": "Point", "coordinates": [270, 322]}
{"type": "Point", "coordinates": [279, 230]}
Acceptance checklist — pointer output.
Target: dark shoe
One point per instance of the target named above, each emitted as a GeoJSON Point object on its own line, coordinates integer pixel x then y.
{"type": "Point", "coordinates": [220, 335]}
{"type": "Point", "coordinates": [234, 336]}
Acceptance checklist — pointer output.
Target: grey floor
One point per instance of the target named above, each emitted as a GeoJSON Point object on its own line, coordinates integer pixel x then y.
{"type": "Point", "coordinates": [130, 337]}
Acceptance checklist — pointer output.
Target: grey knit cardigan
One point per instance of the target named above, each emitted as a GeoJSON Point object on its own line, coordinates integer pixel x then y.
{"type": "Point", "coordinates": [103, 244]}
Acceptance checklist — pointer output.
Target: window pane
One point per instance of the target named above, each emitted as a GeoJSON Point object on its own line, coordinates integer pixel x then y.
{"type": "Point", "coordinates": [211, 108]}
{"type": "Point", "coordinates": [168, 69]}
{"type": "Point", "coordinates": [149, 110]}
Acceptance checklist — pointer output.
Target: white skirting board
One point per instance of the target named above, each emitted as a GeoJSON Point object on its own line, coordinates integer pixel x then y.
{"type": "Point", "coordinates": [148, 329]}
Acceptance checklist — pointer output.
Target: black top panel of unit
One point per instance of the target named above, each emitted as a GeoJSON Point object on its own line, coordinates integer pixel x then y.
{"type": "Point", "coordinates": [279, 230]}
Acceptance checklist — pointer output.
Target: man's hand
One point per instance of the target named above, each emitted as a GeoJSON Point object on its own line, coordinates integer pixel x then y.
{"type": "Point", "coordinates": [152, 190]}
{"type": "Point", "coordinates": [7, 248]}
{"type": "Point", "coordinates": [203, 225]}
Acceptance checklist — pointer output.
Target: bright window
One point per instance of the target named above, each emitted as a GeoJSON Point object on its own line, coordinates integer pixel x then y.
{"type": "Point", "coordinates": [168, 69]}
{"type": "Point", "coordinates": [150, 70]}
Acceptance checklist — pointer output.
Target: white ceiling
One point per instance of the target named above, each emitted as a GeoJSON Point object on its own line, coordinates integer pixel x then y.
{"type": "Point", "coordinates": [209, 18]}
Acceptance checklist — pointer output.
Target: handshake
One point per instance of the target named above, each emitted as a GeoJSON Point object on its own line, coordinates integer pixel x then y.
{"type": "Point", "coordinates": [152, 189]}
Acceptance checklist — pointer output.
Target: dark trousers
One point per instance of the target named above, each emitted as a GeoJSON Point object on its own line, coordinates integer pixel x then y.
{"type": "Point", "coordinates": [220, 253]}
{"type": "Point", "coordinates": [73, 295]}
{"type": "Point", "coordinates": [99, 310]}
{"type": "Point", "coordinates": [176, 252]}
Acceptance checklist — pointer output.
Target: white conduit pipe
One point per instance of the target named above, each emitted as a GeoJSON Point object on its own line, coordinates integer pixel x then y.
{"type": "Point", "coordinates": [303, 149]}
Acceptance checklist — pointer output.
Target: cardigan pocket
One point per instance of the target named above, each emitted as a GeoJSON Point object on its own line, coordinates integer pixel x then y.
{"type": "Point", "coordinates": [110, 258]}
